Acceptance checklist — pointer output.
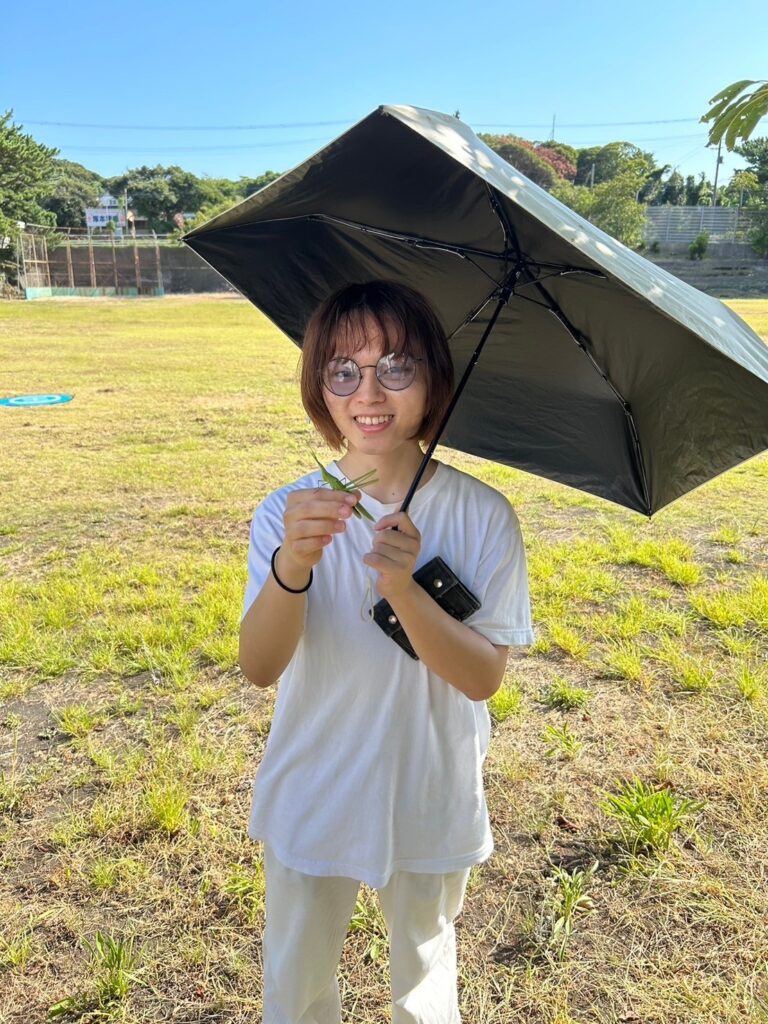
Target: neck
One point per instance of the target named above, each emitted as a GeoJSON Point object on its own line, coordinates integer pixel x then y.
{"type": "Point", "coordinates": [394, 472]}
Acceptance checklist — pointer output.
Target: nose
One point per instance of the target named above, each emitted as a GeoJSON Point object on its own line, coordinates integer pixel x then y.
{"type": "Point", "coordinates": [370, 386]}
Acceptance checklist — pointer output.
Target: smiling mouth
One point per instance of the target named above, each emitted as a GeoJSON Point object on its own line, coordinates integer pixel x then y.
{"type": "Point", "coordinates": [372, 421]}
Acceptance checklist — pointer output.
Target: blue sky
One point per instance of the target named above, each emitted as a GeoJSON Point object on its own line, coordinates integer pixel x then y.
{"type": "Point", "coordinates": [317, 68]}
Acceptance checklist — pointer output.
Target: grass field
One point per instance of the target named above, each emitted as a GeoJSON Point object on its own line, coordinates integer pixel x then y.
{"type": "Point", "coordinates": [627, 778]}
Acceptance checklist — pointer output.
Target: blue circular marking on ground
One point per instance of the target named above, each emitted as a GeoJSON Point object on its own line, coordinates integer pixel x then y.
{"type": "Point", "coordinates": [25, 401]}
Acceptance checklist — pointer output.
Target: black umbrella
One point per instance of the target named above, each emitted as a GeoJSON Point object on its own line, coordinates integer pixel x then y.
{"type": "Point", "coordinates": [600, 370]}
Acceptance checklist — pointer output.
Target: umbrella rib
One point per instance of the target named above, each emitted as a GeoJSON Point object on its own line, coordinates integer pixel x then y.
{"type": "Point", "coordinates": [555, 310]}
{"type": "Point", "coordinates": [562, 272]}
{"type": "Point", "coordinates": [399, 236]}
{"type": "Point", "coordinates": [465, 252]}
{"type": "Point", "coordinates": [510, 237]}
{"type": "Point", "coordinates": [471, 316]}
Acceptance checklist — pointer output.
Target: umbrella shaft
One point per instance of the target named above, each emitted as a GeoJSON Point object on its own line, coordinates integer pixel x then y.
{"type": "Point", "coordinates": [506, 291]}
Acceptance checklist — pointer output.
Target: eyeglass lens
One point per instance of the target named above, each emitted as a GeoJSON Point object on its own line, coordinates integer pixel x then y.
{"type": "Point", "coordinates": [343, 376]}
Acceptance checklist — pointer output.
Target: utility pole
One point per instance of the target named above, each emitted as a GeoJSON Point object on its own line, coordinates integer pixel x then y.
{"type": "Point", "coordinates": [552, 135]}
{"type": "Point", "coordinates": [717, 169]}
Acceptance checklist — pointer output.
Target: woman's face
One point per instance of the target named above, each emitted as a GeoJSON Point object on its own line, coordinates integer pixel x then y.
{"type": "Point", "coordinates": [376, 420]}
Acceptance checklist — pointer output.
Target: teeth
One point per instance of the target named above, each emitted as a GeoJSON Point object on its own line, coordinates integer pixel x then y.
{"type": "Point", "coordinates": [372, 421]}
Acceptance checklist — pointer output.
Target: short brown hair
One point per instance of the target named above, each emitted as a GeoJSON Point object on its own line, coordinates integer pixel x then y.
{"type": "Point", "coordinates": [409, 326]}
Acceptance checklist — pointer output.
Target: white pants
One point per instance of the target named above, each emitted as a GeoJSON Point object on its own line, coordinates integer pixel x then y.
{"type": "Point", "coordinates": [306, 923]}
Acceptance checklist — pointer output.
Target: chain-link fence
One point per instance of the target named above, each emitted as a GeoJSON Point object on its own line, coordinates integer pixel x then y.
{"type": "Point", "coordinates": [51, 265]}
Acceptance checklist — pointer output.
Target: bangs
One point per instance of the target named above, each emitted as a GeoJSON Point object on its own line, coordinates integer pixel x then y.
{"type": "Point", "coordinates": [360, 328]}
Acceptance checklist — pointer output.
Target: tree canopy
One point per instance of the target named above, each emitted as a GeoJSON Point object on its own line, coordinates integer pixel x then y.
{"type": "Point", "coordinates": [26, 172]}
{"type": "Point", "coordinates": [612, 205]}
{"type": "Point", "coordinates": [755, 152]}
{"type": "Point", "coordinates": [74, 188]}
{"type": "Point", "coordinates": [158, 193]}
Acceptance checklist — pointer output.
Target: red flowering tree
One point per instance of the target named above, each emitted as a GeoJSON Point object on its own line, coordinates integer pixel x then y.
{"type": "Point", "coordinates": [543, 163]}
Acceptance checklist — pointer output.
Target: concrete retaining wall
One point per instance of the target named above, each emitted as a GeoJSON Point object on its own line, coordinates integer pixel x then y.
{"type": "Point", "coordinates": [721, 276]}
{"type": "Point", "coordinates": [727, 271]}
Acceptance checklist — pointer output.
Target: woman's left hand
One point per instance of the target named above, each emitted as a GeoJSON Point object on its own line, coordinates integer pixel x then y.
{"type": "Point", "coordinates": [394, 554]}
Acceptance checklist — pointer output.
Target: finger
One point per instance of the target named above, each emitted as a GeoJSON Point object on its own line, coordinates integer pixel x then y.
{"type": "Point", "coordinates": [308, 551]}
{"type": "Point", "coordinates": [306, 495]}
{"type": "Point", "coordinates": [397, 543]}
{"type": "Point", "coordinates": [318, 510]}
{"type": "Point", "coordinates": [314, 528]}
{"type": "Point", "coordinates": [380, 562]}
{"type": "Point", "coordinates": [400, 521]}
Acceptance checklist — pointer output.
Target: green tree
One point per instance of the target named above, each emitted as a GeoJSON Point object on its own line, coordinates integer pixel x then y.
{"type": "Point", "coordinates": [744, 189]}
{"type": "Point", "coordinates": [251, 185]}
{"type": "Point", "coordinates": [149, 193]}
{"type": "Point", "coordinates": [672, 192]}
{"type": "Point", "coordinates": [755, 152]}
{"type": "Point", "coordinates": [158, 193]}
{"type": "Point", "coordinates": [653, 187]}
{"type": "Point", "coordinates": [611, 205]}
{"type": "Point", "coordinates": [207, 213]}
{"type": "Point", "coordinates": [26, 169]}
{"type": "Point", "coordinates": [245, 187]}
{"type": "Point", "coordinates": [223, 188]}
{"type": "Point", "coordinates": [698, 193]}
{"type": "Point", "coordinates": [73, 188]}
{"type": "Point", "coordinates": [735, 112]}
{"type": "Point", "coordinates": [578, 198]}
{"type": "Point", "coordinates": [609, 162]}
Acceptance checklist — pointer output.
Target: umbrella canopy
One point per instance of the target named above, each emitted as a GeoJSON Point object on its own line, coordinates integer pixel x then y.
{"type": "Point", "coordinates": [601, 371]}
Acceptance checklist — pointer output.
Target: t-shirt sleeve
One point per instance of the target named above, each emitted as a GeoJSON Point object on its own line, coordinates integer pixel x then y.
{"type": "Point", "coordinates": [266, 534]}
{"type": "Point", "coordinates": [501, 583]}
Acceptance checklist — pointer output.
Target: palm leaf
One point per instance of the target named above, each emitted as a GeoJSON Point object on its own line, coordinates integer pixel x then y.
{"type": "Point", "coordinates": [734, 118]}
{"type": "Point", "coordinates": [724, 97]}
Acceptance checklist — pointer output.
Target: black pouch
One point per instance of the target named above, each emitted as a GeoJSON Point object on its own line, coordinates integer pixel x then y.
{"type": "Point", "coordinates": [441, 583]}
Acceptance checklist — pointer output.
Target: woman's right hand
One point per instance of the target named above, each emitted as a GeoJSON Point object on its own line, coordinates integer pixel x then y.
{"type": "Point", "coordinates": [313, 515]}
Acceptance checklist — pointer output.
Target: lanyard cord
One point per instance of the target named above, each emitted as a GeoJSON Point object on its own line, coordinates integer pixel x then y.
{"type": "Point", "coordinates": [367, 602]}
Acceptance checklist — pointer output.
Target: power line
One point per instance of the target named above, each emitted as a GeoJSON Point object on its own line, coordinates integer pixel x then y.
{"type": "Point", "coordinates": [189, 149]}
{"type": "Point", "coordinates": [228, 148]}
{"type": "Point", "coordinates": [604, 124]}
{"type": "Point", "coordinates": [190, 127]}
{"type": "Point", "coordinates": [328, 124]}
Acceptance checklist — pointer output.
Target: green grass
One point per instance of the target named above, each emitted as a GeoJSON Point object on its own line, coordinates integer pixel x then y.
{"type": "Point", "coordinates": [561, 694]}
{"type": "Point", "coordinates": [560, 740]}
{"type": "Point", "coordinates": [129, 889]}
{"type": "Point", "coordinates": [648, 817]}
{"type": "Point", "coordinates": [506, 702]}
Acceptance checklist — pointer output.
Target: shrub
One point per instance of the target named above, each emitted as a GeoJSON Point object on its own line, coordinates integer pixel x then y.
{"type": "Point", "coordinates": [698, 246]}
{"type": "Point", "coordinates": [758, 236]}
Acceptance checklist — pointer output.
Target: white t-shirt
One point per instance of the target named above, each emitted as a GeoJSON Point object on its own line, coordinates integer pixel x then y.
{"type": "Point", "coordinates": [373, 763]}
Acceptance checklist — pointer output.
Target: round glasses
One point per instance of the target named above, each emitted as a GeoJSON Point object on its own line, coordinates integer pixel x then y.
{"type": "Point", "coordinates": [343, 376]}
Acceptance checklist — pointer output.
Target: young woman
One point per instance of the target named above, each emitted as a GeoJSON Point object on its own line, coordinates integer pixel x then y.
{"type": "Point", "coordinates": [373, 768]}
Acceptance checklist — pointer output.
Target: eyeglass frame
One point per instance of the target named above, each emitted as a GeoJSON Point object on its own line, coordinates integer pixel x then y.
{"type": "Point", "coordinates": [367, 366]}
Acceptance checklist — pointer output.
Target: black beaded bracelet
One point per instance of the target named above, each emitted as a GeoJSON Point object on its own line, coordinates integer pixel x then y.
{"type": "Point", "coordinates": [280, 582]}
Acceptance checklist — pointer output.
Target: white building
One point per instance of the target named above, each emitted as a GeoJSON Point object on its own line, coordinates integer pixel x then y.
{"type": "Point", "coordinates": [100, 216]}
